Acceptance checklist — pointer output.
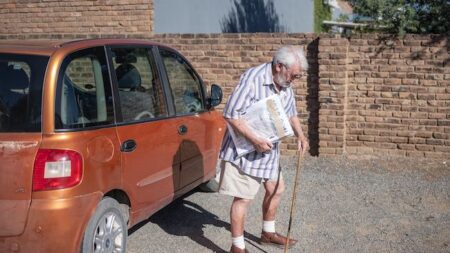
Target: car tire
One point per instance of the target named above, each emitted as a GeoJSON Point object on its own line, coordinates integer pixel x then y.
{"type": "Point", "coordinates": [106, 230]}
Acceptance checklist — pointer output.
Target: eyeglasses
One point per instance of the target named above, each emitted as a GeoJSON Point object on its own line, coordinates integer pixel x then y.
{"type": "Point", "coordinates": [293, 76]}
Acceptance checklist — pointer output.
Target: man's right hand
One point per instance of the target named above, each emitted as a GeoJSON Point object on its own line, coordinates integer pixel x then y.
{"type": "Point", "coordinates": [262, 145]}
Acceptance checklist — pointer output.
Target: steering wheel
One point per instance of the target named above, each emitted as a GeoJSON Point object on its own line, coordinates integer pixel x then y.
{"type": "Point", "coordinates": [144, 114]}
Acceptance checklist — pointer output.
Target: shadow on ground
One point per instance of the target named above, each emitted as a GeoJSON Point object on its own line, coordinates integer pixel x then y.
{"type": "Point", "coordinates": [185, 218]}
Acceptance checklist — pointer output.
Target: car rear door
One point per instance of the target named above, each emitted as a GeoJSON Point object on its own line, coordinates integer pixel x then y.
{"type": "Point", "coordinates": [198, 127]}
{"type": "Point", "coordinates": [21, 81]}
{"type": "Point", "coordinates": [150, 143]}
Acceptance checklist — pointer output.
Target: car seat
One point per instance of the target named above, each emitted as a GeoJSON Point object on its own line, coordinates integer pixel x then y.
{"type": "Point", "coordinates": [13, 83]}
{"type": "Point", "coordinates": [13, 96]}
{"type": "Point", "coordinates": [128, 77]}
{"type": "Point", "coordinates": [136, 103]}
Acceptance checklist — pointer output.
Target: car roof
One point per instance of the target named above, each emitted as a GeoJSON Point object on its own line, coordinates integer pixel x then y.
{"type": "Point", "coordinates": [48, 47]}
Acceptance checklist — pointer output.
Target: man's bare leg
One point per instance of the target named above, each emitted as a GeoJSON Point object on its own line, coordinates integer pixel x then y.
{"type": "Point", "coordinates": [272, 198]}
{"type": "Point", "coordinates": [238, 213]}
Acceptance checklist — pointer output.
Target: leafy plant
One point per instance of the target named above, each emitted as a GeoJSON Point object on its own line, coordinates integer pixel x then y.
{"type": "Point", "coordinates": [322, 11]}
{"type": "Point", "coordinates": [405, 16]}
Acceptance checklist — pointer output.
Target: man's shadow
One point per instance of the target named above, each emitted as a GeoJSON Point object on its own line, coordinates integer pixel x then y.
{"type": "Point", "coordinates": [185, 218]}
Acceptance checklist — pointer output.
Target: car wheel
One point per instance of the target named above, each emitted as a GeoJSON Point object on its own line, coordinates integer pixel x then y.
{"type": "Point", "coordinates": [106, 230]}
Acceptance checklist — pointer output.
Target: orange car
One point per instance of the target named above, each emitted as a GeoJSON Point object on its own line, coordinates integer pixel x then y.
{"type": "Point", "coordinates": [96, 136]}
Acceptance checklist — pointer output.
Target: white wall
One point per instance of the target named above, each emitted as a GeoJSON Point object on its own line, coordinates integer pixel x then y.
{"type": "Point", "coordinates": [205, 16]}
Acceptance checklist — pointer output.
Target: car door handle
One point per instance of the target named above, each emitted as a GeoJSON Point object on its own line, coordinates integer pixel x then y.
{"type": "Point", "coordinates": [182, 129]}
{"type": "Point", "coordinates": [128, 146]}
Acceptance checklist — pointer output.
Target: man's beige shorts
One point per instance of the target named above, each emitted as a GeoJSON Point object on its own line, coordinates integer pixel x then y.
{"type": "Point", "coordinates": [235, 183]}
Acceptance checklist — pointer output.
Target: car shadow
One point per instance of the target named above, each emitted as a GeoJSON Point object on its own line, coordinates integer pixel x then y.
{"type": "Point", "coordinates": [185, 218]}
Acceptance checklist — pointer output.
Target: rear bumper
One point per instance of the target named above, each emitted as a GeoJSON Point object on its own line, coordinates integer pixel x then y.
{"type": "Point", "coordinates": [53, 225]}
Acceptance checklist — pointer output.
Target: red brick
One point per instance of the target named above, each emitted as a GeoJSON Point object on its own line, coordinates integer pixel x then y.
{"type": "Point", "coordinates": [435, 142]}
{"type": "Point", "coordinates": [407, 146]}
{"type": "Point", "coordinates": [426, 96]}
{"type": "Point", "coordinates": [410, 81]}
{"type": "Point", "coordinates": [387, 133]}
{"type": "Point", "coordinates": [354, 143]}
{"type": "Point", "coordinates": [401, 114]}
{"type": "Point", "coordinates": [415, 154]}
{"type": "Point", "coordinates": [405, 133]}
{"type": "Point", "coordinates": [388, 68]}
{"type": "Point", "coordinates": [436, 115]}
{"type": "Point", "coordinates": [443, 96]}
{"type": "Point", "coordinates": [428, 82]}
{"type": "Point", "coordinates": [399, 139]}
{"type": "Point", "coordinates": [428, 122]}
{"type": "Point", "coordinates": [414, 140]}
{"type": "Point", "coordinates": [383, 145]}
{"type": "Point", "coordinates": [421, 147]}
{"type": "Point", "coordinates": [419, 115]}
{"type": "Point", "coordinates": [374, 119]}
{"type": "Point", "coordinates": [445, 149]}
{"type": "Point", "coordinates": [382, 139]}
{"type": "Point", "coordinates": [366, 138]}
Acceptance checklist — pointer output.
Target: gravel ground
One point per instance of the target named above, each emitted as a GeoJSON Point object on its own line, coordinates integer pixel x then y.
{"type": "Point", "coordinates": [344, 204]}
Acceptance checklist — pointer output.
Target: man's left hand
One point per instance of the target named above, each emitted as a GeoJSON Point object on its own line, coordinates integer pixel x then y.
{"type": "Point", "coordinates": [303, 144]}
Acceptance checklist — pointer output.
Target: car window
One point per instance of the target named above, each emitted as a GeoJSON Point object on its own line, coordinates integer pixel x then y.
{"type": "Point", "coordinates": [140, 89]}
{"type": "Point", "coordinates": [21, 81]}
{"type": "Point", "coordinates": [185, 84]}
{"type": "Point", "coordinates": [84, 92]}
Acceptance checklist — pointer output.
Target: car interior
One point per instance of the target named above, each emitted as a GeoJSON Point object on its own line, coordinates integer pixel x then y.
{"type": "Point", "coordinates": [14, 85]}
{"type": "Point", "coordinates": [82, 100]}
{"type": "Point", "coordinates": [136, 100]}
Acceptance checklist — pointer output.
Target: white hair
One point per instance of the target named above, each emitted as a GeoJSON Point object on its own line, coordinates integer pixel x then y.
{"type": "Point", "coordinates": [291, 55]}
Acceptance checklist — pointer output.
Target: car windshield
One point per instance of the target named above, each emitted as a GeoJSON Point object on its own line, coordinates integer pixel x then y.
{"type": "Point", "coordinates": [21, 81]}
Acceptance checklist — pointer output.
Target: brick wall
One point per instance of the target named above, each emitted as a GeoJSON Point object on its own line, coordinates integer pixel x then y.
{"type": "Point", "coordinates": [384, 94]}
{"type": "Point", "coordinates": [44, 18]}
{"type": "Point", "coordinates": [363, 94]}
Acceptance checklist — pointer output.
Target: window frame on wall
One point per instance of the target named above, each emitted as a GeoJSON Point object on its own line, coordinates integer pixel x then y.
{"type": "Point", "coordinates": [202, 92]}
{"type": "Point", "coordinates": [155, 70]}
{"type": "Point", "coordinates": [100, 54]}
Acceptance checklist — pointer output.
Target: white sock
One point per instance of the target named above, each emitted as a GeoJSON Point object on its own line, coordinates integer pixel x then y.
{"type": "Point", "coordinates": [269, 226]}
{"type": "Point", "coordinates": [239, 241]}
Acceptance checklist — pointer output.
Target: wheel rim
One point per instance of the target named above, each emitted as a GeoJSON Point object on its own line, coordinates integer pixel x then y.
{"type": "Point", "coordinates": [109, 234]}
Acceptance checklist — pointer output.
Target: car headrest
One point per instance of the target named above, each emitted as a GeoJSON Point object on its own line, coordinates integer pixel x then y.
{"type": "Point", "coordinates": [128, 76]}
{"type": "Point", "coordinates": [14, 78]}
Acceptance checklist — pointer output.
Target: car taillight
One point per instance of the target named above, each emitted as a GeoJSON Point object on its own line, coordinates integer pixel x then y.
{"type": "Point", "coordinates": [56, 169]}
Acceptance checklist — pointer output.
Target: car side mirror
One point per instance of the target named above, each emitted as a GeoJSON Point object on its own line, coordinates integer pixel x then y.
{"type": "Point", "coordinates": [216, 95]}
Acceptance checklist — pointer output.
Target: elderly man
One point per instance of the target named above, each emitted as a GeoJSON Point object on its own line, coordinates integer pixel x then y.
{"type": "Point", "coordinates": [242, 176]}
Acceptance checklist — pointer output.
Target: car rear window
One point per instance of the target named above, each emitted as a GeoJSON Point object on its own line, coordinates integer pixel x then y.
{"type": "Point", "coordinates": [21, 81]}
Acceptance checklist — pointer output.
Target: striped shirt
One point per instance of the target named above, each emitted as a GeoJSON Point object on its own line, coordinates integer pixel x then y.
{"type": "Point", "coordinates": [255, 84]}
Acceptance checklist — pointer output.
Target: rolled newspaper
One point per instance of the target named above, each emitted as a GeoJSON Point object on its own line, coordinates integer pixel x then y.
{"type": "Point", "coordinates": [268, 119]}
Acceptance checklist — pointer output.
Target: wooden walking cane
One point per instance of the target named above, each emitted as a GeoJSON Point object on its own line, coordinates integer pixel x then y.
{"type": "Point", "coordinates": [294, 197]}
